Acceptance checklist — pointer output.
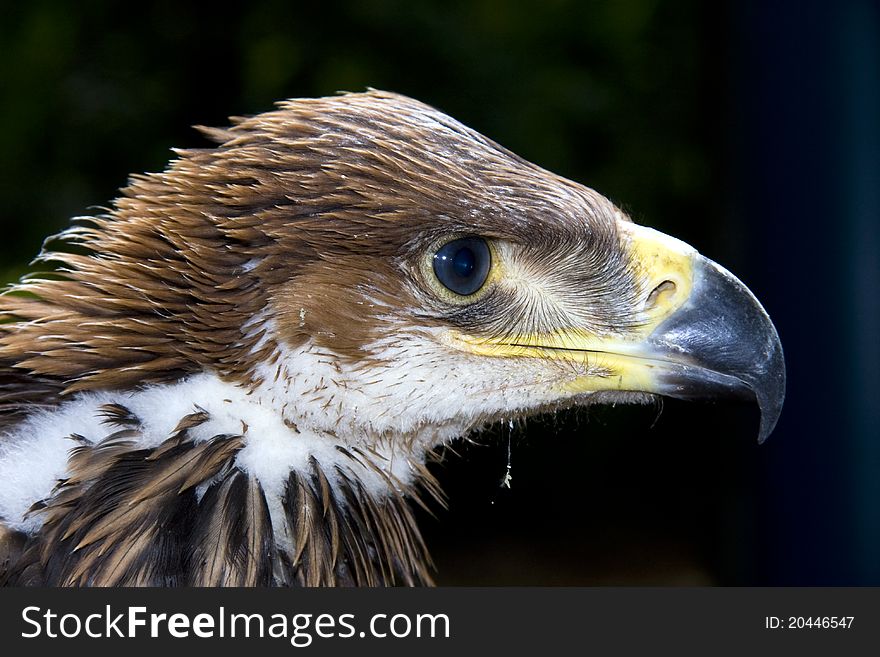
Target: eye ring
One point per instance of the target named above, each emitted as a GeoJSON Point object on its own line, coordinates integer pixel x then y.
{"type": "Point", "coordinates": [462, 265]}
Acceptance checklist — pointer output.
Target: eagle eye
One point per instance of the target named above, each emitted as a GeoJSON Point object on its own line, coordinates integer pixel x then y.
{"type": "Point", "coordinates": [462, 265]}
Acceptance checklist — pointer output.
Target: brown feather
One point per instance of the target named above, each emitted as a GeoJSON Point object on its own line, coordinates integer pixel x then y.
{"type": "Point", "coordinates": [232, 536]}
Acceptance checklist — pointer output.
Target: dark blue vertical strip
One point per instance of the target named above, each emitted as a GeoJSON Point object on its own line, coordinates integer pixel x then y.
{"type": "Point", "coordinates": [789, 95]}
{"type": "Point", "coordinates": [860, 203]}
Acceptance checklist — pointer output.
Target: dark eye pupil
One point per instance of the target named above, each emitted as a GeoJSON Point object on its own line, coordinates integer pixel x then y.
{"type": "Point", "coordinates": [463, 265]}
{"type": "Point", "coordinates": [464, 262]}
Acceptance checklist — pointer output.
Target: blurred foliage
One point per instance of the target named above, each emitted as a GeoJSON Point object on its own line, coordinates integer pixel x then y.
{"type": "Point", "coordinates": [613, 94]}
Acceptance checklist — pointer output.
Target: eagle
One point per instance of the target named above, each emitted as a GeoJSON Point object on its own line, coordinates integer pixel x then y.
{"type": "Point", "coordinates": [239, 373]}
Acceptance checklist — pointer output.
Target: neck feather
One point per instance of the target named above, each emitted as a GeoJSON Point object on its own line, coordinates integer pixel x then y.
{"type": "Point", "coordinates": [201, 484]}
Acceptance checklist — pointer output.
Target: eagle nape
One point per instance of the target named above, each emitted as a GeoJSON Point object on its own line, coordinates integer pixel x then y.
{"type": "Point", "coordinates": [239, 373]}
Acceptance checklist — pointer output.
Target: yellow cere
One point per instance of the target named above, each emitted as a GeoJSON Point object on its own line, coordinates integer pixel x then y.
{"type": "Point", "coordinates": [660, 258]}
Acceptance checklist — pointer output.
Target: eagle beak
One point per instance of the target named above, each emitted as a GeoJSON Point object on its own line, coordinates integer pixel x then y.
{"type": "Point", "coordinates": [701, 334]}
{"type": "Point", "coordinates": [706, 334]}
{"type": "Point", "coordinates": [719, 343]}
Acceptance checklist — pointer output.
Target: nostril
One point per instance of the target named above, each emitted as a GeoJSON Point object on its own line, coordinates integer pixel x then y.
{"type": "Point", "coordinates": [659, 294]}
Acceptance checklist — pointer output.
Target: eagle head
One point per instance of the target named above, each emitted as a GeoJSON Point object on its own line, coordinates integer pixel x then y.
{"type": "Point", "coordinates": [237, 374]}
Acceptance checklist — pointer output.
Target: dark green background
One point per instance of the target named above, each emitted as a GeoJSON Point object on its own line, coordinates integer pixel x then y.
{"type": "Point", "coordinates": [749, 130]}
